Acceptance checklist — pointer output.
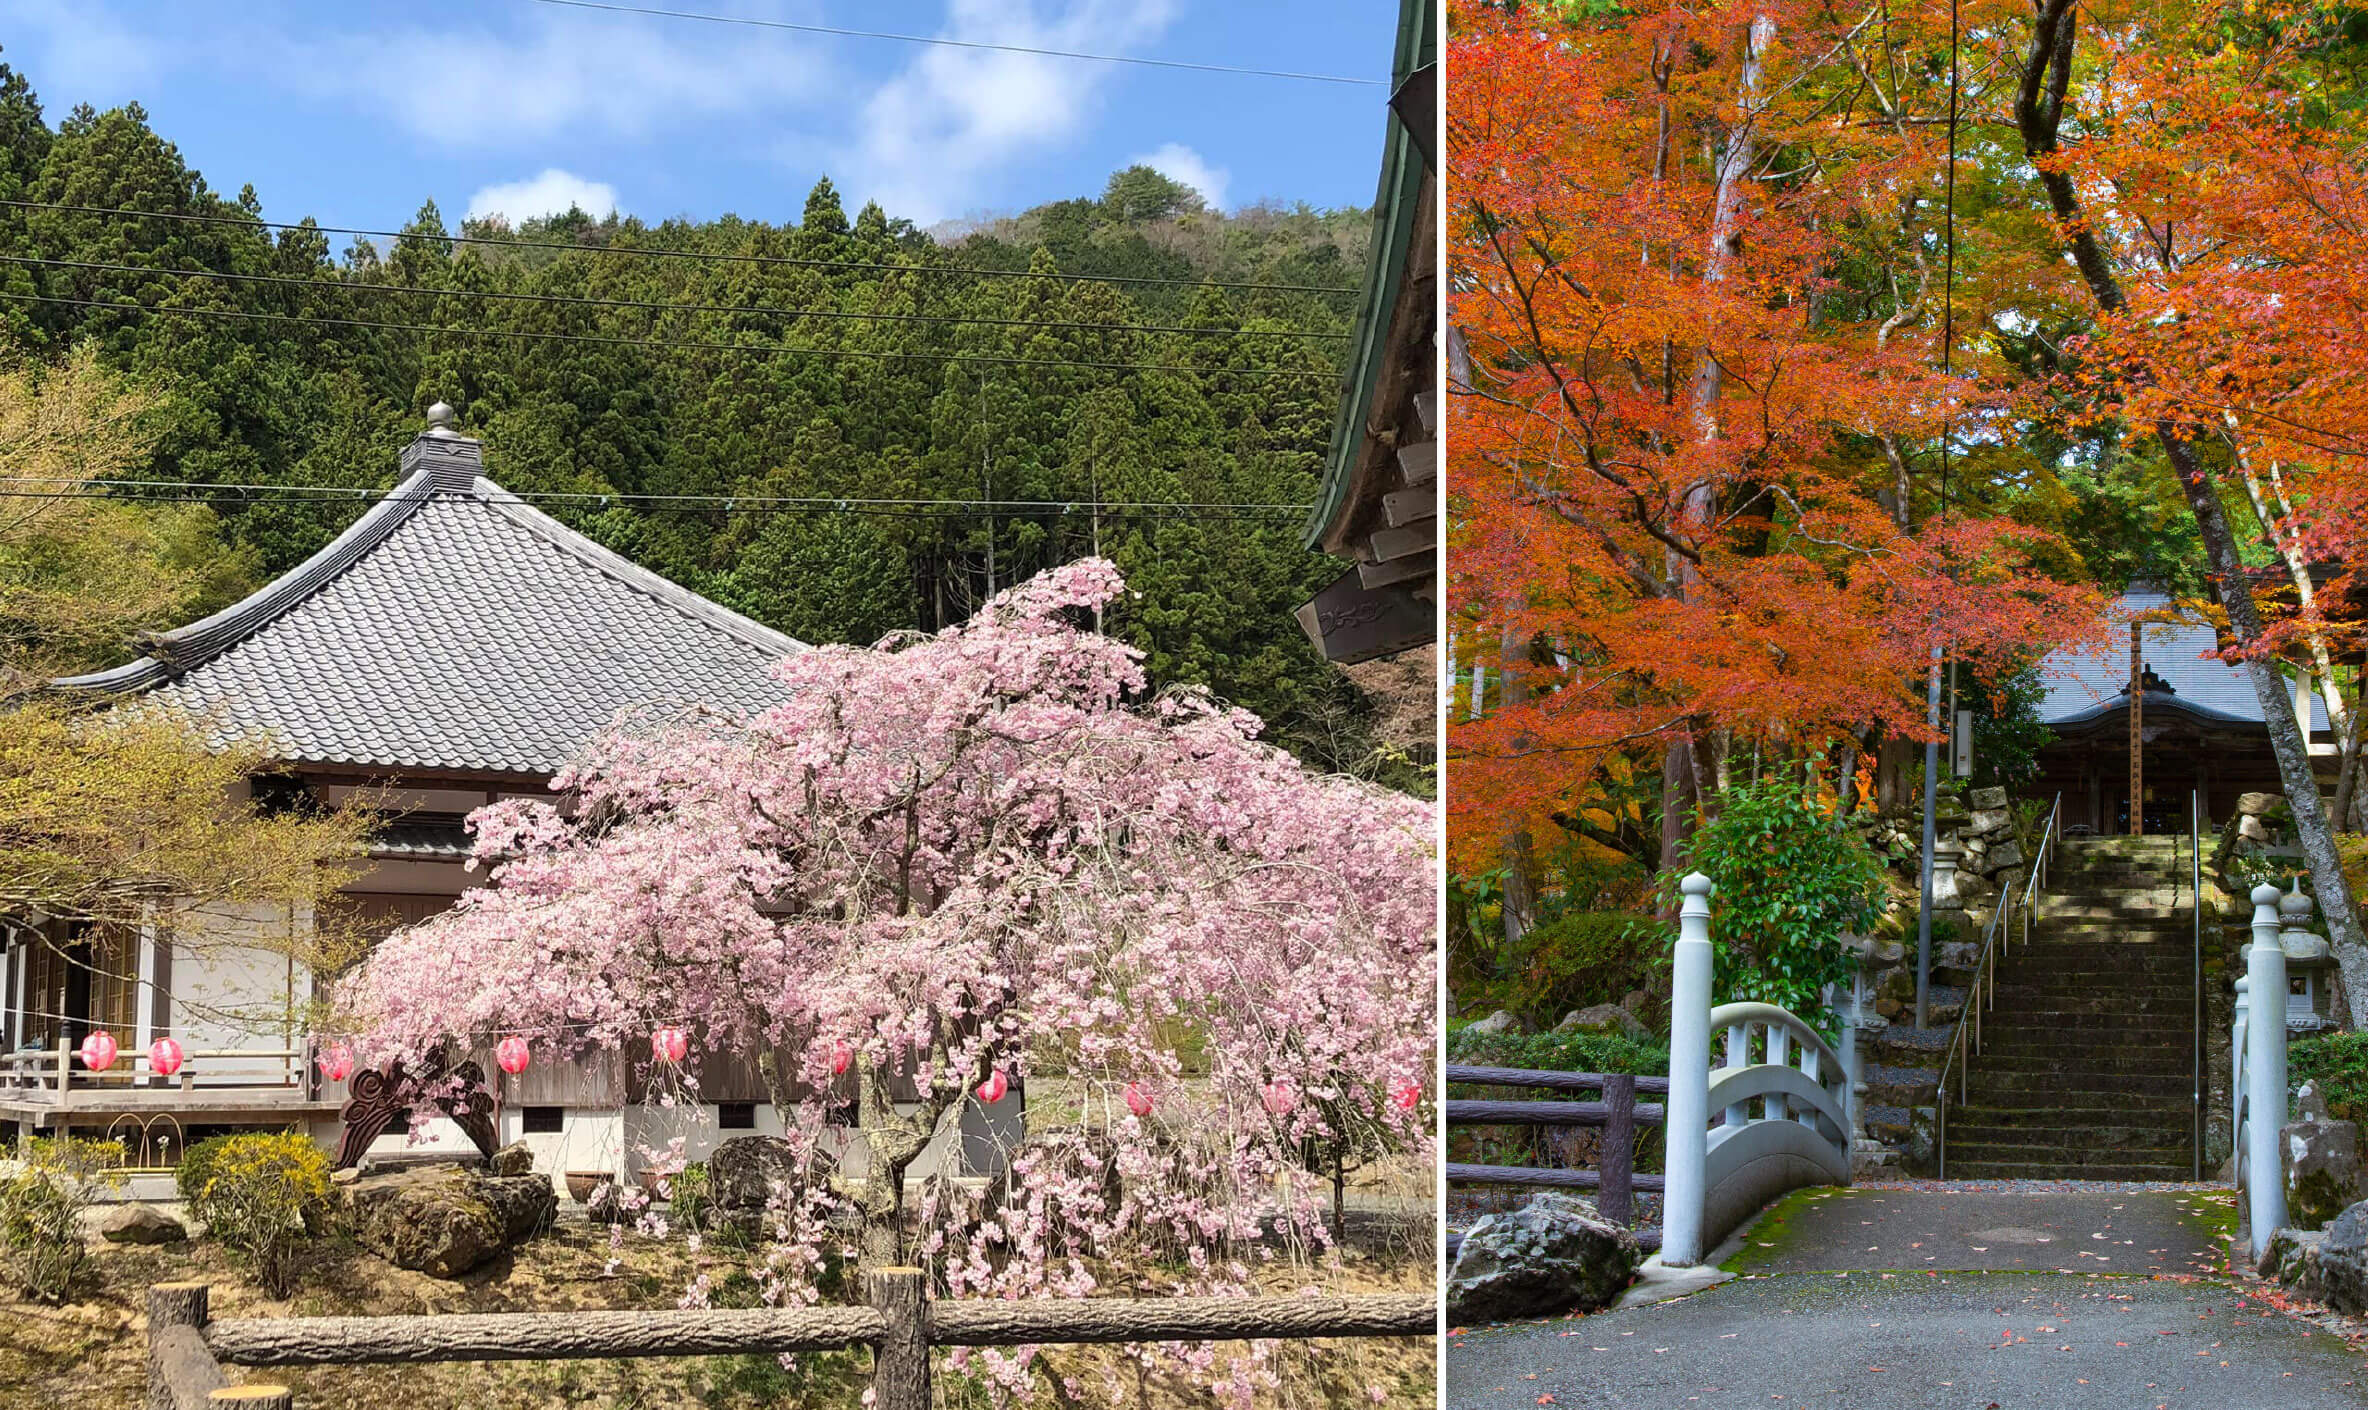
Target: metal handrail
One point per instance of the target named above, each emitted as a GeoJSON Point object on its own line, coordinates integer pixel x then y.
{"type": "Point", "coordinates": [2195, 903]}
{"type": "Point", "coordinates": [1965, 1041]}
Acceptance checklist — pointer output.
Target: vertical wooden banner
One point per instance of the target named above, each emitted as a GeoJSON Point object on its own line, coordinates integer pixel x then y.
{"type": "Point", "coordinates": [2137, 738]}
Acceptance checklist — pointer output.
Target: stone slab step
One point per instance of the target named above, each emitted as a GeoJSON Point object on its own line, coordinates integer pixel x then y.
{"type": "Point", "coordinates": [1961, 1168]}
{"type": "Point", "coordinates": [1992, 1087]}
{"type": "Point", "coordinates": [2070, 1164]}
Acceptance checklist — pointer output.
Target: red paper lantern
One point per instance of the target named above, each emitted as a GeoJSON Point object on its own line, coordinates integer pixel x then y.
{"type": "Point", "coordinates": [337, 1062]}
{"type": "Point", "coordinates": [993, 1089]}
{"type": "Point", "coordinates": [510, 1052]}
{"type": "Point", "coordinates": [1138, 1101]}
{"type": "Point", "coordinates": [164, 1057]}
{"type": "Point", "coordinates": [98, 1051]}
{"type": "Point", "coordinates": [670, 1044]}
{"type": "Point", "coordinates": [1279, 1098]}
{"type": "Point", "coordinates": [1407, 1094]}
{"type": "Point", "coordinates": [840, 1056]}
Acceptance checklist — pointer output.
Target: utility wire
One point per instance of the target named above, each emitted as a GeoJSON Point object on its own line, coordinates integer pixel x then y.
{"type": "Point", "coordinates": [720, 503]}
{"type": "Point", "coordinates": [604, 497]}
{"type": "Point", "coordinates": [653, 252]}
{"type": "Point", "coordinates": [649, 344]}
{"type": "Point", "coordinates": [958, 43]}
{"type": "Point", "coordinates": [660, 305]}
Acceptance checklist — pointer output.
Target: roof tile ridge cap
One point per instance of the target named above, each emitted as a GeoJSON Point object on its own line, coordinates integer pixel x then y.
{"type": "Point", "coordinates": [645, 581]}
{"type": "Point", "coordinates": [186, 647]}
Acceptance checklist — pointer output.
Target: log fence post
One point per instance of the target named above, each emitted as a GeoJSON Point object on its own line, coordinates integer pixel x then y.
{"type": "Point", "coordinates": [1615, 1161]}
{"type": "Point", "coordinates": [171, 1306]}
{"type": "Point", "coordinates": [900, 1364]}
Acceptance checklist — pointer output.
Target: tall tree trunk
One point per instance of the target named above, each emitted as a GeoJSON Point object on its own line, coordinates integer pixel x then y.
{"type": "Point", "coordinates": [2039, 113]}
{"type": "Point", "coordinates": [1520, 906]}
{"type": "Point", "coordinates": [2305, 592]}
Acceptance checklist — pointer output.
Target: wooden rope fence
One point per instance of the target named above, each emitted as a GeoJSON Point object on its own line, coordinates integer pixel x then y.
{"type": "Point", "coordinates": [1618, 1114]}
{"type": "Point", "coordinates": [187, 1350]}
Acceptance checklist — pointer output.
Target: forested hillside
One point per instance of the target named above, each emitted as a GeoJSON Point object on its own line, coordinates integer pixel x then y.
{"type": "Point", "coordinates": [1115, 355]}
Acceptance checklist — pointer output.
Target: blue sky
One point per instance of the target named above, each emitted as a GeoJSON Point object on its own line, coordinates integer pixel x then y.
{"type": "Point", "coordinates": [354, 113]}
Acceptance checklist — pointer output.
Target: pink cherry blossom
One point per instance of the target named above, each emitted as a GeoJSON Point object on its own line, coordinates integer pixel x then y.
{"type": "Point", "coordinates": [941, 860]}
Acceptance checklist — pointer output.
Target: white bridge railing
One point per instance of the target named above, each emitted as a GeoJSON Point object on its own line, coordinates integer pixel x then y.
{"type": "Point", "coordinates": [2257, 1077]}
{"type": "Point", "coordinates": [1782, 1095]}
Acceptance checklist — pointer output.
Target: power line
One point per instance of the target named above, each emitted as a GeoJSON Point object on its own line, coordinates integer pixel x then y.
{"type": "Point", "coordinates": [958, 43]}
{"type": "Point", "coordinates": [649, 344]}
{"type": "Point", "coordinates": [661, 305]}
{"type": "Point", "coordinates": [654, 252]}
{"type": "Point", "coordinates": [604, 497]}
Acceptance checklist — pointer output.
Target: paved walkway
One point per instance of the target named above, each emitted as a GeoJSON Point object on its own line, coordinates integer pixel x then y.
{"type": "Point", "coordinates": [1949, 1298]}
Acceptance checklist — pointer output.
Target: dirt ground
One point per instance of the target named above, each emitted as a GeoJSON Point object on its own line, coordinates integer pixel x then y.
{"type": "Point", "coordinates": [91, 1352]}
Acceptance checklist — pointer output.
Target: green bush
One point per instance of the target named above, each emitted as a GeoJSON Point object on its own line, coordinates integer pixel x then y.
{"type": "Point", "coordinates": [1791, 882]}
{"type": "Point", "coordinates": [42, 1249]}
{"type": "Point", "coordinates": [691, 1201]}
{"type": "Point", "coordinates": [1584, 958]}
{"type": "Point", "coordinates": [264, 1195]}
{"type": "Point", "coordinates": [2338, 1062]}
{"type": "Point", "coordinates": [195, 1168]}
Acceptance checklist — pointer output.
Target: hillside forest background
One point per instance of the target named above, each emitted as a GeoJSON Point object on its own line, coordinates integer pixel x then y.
{"type": "Point", "coordinates": [842, 358]}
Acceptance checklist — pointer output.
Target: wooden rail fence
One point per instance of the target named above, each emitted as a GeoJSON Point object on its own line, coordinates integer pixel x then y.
{"type": "Point", "coordinates": [187, 1350]}
{"type": "Point", "coordinates": [1618, 1114]}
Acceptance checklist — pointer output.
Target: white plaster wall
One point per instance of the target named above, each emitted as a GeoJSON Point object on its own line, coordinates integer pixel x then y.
{"type": "Point", "coordinates": [233, 985]}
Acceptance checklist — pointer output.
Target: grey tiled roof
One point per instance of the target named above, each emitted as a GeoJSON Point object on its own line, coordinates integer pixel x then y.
{"type": "Point", "coordinates": [453, 628]}
{"type": "Point", "coordinates": [2082, 686]}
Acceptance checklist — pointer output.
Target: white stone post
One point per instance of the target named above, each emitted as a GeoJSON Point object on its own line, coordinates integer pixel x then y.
{"type": "Point", "coordinates": [1687, 1117]}
{"type": "Point", "coordinates": [2266, 967]}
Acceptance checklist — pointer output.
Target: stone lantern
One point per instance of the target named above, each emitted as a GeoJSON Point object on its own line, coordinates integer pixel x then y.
{"type": "Point", "coordinates": [2307, 962]}
{"type": "Point", "coordinates": [1944, 877]}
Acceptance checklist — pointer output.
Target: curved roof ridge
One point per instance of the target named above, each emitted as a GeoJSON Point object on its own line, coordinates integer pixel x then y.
{"type": "Point", "coordinates": [632, 574]}
{"type": "Point", "coordinates": [202, 640]}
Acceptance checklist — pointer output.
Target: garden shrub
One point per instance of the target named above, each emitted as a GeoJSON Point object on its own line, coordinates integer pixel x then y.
{"type": "Point", "coordinates": [42, 1249]}
{"type": "Point", "coordinates": [1791, 881]}
{"type": "Point", "coordinates": [195, 1168]}
{"type": "Point", "coordinates": [2338, 1062]}
{"type": "Point", "coordinates": [1583, 958]}
{"type": "Point", "coordinates": [264, 1195]}
{"type": "Point", "coordinates": [691, 1201]}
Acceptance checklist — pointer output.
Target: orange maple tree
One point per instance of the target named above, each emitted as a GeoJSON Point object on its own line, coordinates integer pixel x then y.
{"type": "Point", "coordinates": [1682, 514]}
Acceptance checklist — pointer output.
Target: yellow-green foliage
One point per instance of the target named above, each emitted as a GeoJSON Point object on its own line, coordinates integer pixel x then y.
{"type": "Point", "coordinates": [264, 1195]}
{"type": "Point", "coordinates": [41, 1205]}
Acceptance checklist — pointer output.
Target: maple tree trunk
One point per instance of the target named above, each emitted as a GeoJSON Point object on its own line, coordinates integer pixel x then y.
{"type": "Point", "coordinates": [2338, 718]}
{"type": "Point", "coordinates": [2039, 109]}
{"type": "Point", "coordinates": [1520, 905]}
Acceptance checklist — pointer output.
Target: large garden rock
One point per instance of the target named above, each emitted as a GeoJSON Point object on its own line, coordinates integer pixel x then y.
{"type": "Point", "coordinates": [447, 1220]}
{"type": "Point", "coordinates": [2322, 1163]}
{"type": "Point", "coordinates": [2254, 805]}
{"type": "Point", "coordinates": [1606, 1020]}
{"type": "Point", "coordinates": [140, 1224]}
{"type": "Point", "coordinates": [1552, 1255]}
{"type": "Point", "coordinates": [1497, 1025]}
{"type": "Point", "coordinates": [1984, 799]}
{"type": "Point", "coordinates": [2343, 1261]}
{"type": "Point", "coordinates": [2293, 1259]}
{"type": "Point", "coordinates": [1988, 822]}
{"type": "Point", "coordinates": [743, 1172]}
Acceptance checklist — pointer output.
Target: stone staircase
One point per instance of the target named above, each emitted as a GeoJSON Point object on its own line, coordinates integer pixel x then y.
{"type": "Point", "coordinates": [2087, 1064]}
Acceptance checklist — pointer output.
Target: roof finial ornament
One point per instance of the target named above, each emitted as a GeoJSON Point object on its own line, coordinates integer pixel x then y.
{"type": "Point", "coordinates": [440, 421]}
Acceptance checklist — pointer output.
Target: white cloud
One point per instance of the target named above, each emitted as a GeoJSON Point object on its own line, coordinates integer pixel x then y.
{"type": "Point", "coordinates": [1180, 163]}
{"type": "Point", "coordinates": [550, 192]}
{"type": "Point", "coordinates": [86, 51]}
{"type": "Point", "coordinates": [934, 135]}
{"type": "Point", "coordinates": [557, 75]}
